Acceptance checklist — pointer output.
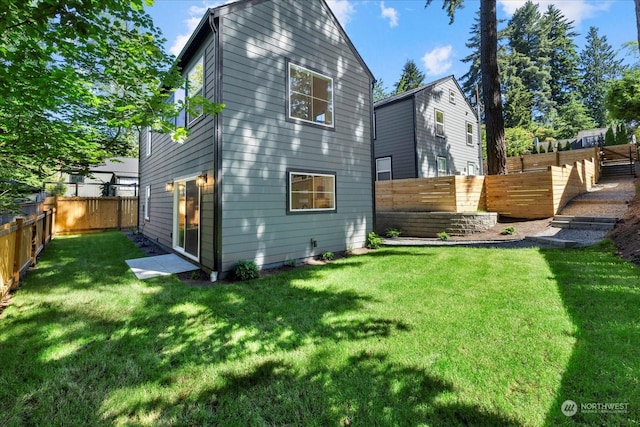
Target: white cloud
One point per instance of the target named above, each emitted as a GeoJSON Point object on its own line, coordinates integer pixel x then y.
{"type": "Point", "coordinates": [438, 60]}
{"type": "Point", "coordinates": [390, 13]}
{"type": "Point", "coordinates": [574, 10]}
{"type": "Point", "coordinates": [196, 12]}
{"type": "Point", "coordinates": [343, 9]}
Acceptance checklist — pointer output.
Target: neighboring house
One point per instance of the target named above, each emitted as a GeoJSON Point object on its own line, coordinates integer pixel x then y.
{"type": "Point", "coordinates": [589, 138]}
{"type": "Point", "coordinates": [284, 172]}
{"type": "Point", "coordinates": [426, 132]}
{"type": "Point", "coordinates": [116, 177]}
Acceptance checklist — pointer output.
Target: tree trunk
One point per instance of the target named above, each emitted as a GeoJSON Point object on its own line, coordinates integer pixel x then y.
{"type": "Point", "coordinates": [638, 21]}
{"type": "Point", "coordinates": [494, 121]}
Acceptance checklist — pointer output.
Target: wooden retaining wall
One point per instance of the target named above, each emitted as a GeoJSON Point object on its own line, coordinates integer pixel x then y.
{"type": "Point", "coordinates": [21, 241]}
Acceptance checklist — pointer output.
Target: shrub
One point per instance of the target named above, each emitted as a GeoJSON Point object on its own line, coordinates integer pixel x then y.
{"type": "Point", "coordinates": [443, 235]}
{"type": "Point", "coordinates": [509, 230]}
{"type": "Point", "coordinates": [542, 150]}
{"type": "Point", "coordinates": [246, 270]}
{"type": "Point", "coordinates": [327, 256]}
{"type": "Point", "coordinates": [373, 241]}
{"type": "Point", "coordinates": [392, 233]}
{"type": "Point", "coordinates": [609, 137]}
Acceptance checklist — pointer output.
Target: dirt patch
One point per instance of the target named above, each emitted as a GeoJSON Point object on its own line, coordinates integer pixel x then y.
{"type": "Point", "coordinates": [146, 245]}
{"type": "Point", "coordinates": [626, 235]}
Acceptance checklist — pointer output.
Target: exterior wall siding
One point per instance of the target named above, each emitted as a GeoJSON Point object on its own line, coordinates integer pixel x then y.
{"type": "Point", "coordinates": [395, 138]}
{"type": "Point", "coordinates": [454, 145]}
{"type": "Point", "coordinates": [170, 160]}
{"type": "Point", "coordinates": [259, 145]}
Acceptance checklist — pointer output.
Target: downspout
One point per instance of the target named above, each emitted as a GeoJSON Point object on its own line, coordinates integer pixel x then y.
{"type": "Point", "coordinates": [373, 156]}
{"type": "Point", "coordinates": [416, 163]}
{"type": "Point", "coordinates": [217, 161]}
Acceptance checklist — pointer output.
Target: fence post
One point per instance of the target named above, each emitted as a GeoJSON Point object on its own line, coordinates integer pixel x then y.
{"type": "Point", "coordinates": [17, 252]}
{"type": "Point", "coordinates": [119, 213]}
{"type": "Point", "coordinates": [34, 241]}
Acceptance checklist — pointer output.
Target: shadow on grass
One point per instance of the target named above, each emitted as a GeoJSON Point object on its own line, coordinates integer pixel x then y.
{"type": "Point", "coordinates": [604, 305]}
{"type": "Point", "coordinates": [159, 352]}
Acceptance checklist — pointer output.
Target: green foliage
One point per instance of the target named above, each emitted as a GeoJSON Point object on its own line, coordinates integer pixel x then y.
{"type": "Point", "coordinates": [623, 97]}
{"type": "Point", "coordinates": [246, 270]}
{"type": "Point", "coordinates": [327, 256]}
{"type": "Point", "coordinates": [410, 78]}
{"type": "Point", "coordinates": [58, 189]}
{"type": "Point", "coordinates": [510, 230]}
{"type": "Point", "coordinates": [373, 241]}
{"type": "Point", "coordinates": [518, 140]}
{"type": "Point", "coordinates": [534, 149]}
{"type": "Point", "coordinates": [621, 135]}
{"type": "Point", "coordinates": [392, 233]}
{"type": "Point", "coordinates": [572, 118]}
{"type": "Point", "coordinates": [77, 79]}
{"type": "Point", "coordinates": [379, 91]}
{"type": "Point", "coordinates": [599, 66]}
{"type": "Point", "coordinates": [609, 137]}
{"type": "Point", "coordinates": [542, 149]}
{"type": "Point", "coordinates": [443, 235]}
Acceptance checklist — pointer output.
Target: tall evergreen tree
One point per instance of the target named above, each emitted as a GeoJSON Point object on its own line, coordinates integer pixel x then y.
{"type": "Point", "coordinates": [572, 118]}
{"type": "Point", "coordinates": [379, 91]}
{"type": "Point", "coordinates": [491, 91]}
{"type": "Point", "coordinates": [528, 54]}
{"type": "Point", "coordinates": [563, 55]}
{"type": "Point", "coordinates": [410, 78]}
{"type": "Point", "coordinates": [598, 65]}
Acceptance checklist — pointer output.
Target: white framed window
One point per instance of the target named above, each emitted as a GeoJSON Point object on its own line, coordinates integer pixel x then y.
{"type": "Point", "coordinates": [310, 96]}
{"type": "Point", "coordinates": [194, 85]}
{"type": "Point", "coordinates": [311, 192]}
{"type": "Point", "coordinates": [147, 201]}
{"type": "Point", "coordinates": [452, 96]}
{"type": "Point", "coordinates": [148, 141]}
{"type": "Point", "coordinates": [469, 133]}
{"type": "Point", "coordinates": [439, 116]}
{"type": "Point", "coordinates": [471, 168]}
{"type": "Point", "coordinates": [442, 166]}
{"type": "Point", "coordinates": [383, 169]}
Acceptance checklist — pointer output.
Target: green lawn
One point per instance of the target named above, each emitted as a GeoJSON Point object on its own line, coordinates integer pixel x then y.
{"type": "Point", "coordinates": [402, 336]}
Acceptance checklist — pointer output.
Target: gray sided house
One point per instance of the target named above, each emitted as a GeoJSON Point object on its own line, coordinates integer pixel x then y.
{"type": "Point", "coordinates": [284, 173]}
{"type": "Point", "coordinates": [426, 132]}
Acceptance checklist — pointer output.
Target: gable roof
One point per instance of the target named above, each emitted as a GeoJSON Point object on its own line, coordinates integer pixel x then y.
{"type": "Point", "coordinates": [119, 166]}
{"type": "Point", "coordinates": [409, 93]}
{"type": "Point", "coordinates": [205, 25]}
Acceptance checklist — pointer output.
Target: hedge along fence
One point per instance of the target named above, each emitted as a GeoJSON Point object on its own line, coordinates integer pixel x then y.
{"type": "Point", "coordinates": [442, 194]}
{"type": "Point", "coordinates": [90, 214]}
{"type": "Point", "coordinates": [21, 241]}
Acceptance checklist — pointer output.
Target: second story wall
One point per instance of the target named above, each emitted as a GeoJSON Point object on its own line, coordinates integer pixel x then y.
{"type": "Point", "coordinates": [395, 137]}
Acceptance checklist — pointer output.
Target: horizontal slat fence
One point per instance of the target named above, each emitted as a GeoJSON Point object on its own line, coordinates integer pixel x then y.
{"type": "Point", "coordinates": [533, 162]}
{"type": "Point", "coordinates": [531, 195]}
{"type": "Point", "coordinates": [20, 243]}
{"type": "Point", "coordinates": [89, 214]}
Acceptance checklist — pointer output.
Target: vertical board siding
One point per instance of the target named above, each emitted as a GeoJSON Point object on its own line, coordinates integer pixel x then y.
{"type": "Point", "coordinates": [395, 138]}
{"type": "Point", "coordinates": [259, 144]}
{"type": "Point", "coordinates": [454, 145]}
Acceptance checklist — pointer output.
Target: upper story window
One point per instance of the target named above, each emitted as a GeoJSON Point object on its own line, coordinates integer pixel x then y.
{"type": "Point", "coordinates": [439, 123]}
{"type": "Point", "coordinates": [452, 97]}
{"type": "Point", "coordinates": [148, 133]}
{"type": "Point", "coordinates": [383, 169]}
{"type": "Point", "coordinates": [310, 96]}
{"type": "Point", "coordinates": [195, 82]}
{"type": "Point", "coordinates": [76, 179]}
{"type": "Point", "coordinates": [469, 133]}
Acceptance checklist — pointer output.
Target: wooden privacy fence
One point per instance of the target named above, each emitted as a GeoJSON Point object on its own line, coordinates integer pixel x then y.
{"type": "Point", "coordinates": [532, 162]}
{"type": "Point", "coordinates": [20, 243]}
{"type": "Point", "coordinates": [442, 194]}
{"type": "Point", "coordinates": [531, 195]}
{"type": "Point", "coordinates": [89, 214]}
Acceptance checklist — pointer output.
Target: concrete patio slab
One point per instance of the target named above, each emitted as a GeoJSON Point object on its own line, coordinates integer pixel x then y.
{"type": "Point", "coordinates": [161, 265]}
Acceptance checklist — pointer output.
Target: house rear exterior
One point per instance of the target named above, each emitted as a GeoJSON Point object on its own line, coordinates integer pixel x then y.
{"type": "Point", "coordinates": [284, 173]}
{"type": "Point", "coordinates": [426, 132]}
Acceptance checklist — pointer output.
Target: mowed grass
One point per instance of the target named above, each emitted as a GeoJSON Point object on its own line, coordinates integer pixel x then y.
{"type": "Point", "coordinates": [398, 337]}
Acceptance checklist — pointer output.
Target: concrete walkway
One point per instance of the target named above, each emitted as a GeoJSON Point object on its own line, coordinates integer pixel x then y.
{"type": "Point", "coordinates": [161, 265]}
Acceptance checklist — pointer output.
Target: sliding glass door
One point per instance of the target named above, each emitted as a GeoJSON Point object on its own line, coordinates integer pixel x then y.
{"type": "Point", "coordinates": [186, 233]}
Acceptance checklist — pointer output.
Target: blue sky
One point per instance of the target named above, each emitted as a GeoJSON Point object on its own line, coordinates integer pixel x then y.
{"type": "Point", "coordinates": [387, 33]}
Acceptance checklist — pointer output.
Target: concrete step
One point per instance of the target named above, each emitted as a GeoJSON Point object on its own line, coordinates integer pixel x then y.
{"type": "Point", "coordinates": [583, 222]}
{"type": "Point", "coordinates": [553, 242]}
{"type": "Point", "coordinates": [617, 169]}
